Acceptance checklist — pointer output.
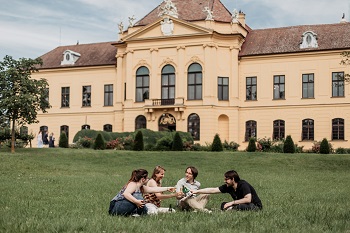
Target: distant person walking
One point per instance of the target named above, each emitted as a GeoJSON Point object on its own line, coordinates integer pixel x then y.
{"type": "Point", "coordinates": [40, 139]}
{"type": "Point", "coordinates": [45, 139]}
{"type": "Point", "coordinates": [51, 140]}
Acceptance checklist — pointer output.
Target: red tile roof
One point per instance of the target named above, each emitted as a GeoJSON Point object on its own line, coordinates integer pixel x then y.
{"type": "Point", "coordinates": [288, 39]}
{"type": "Point", "coordinates": [191, 10]}
{"type": "Point", "coordinates": [96, 54]}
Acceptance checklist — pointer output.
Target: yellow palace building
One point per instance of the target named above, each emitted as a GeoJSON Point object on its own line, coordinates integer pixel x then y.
{"type": "Point", "coordinates": [197, 69]}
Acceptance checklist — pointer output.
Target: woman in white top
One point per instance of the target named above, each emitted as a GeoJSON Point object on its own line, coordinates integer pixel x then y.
{"type": "Point", "coordinates": [40, 140]}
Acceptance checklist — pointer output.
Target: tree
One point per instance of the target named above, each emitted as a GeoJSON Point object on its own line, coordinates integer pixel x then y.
{"type": "Point", "coordinates": [20, 96]}
{"type": "Point", "coordinates": [288, 146]}
{"type": "Point", "coordinates": [324, 147]}
{"type": "Point", "coordinates": [138, 144]}
{"type": "Point", "coordinates": [99, 143]}
{"type": "Point", "coordinates": [346, 62]}
{"type": "Point", "coordinates": [251, 145]}
{"type": "Point", "coordinates": [217, 145]}
{"type": "Point", "coordinates": [177, 143]}
{"type": "Point", "coordinates": [63, 142]}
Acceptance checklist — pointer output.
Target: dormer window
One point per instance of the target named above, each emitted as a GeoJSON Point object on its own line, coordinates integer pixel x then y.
{"type": "Point", "coordinates": [70, 57]}
{"type": "Point", "coordinates": [309, 40]}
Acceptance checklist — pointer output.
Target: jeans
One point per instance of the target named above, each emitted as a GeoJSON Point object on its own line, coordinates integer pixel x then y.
{"type": "Point", "coordinates": [125, 207]}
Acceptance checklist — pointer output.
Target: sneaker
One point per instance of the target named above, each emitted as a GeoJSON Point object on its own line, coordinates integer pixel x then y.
{"type": "Point", "coordinates": [207, 211]}
{"type": "Point", "coordinates": [135, 215]}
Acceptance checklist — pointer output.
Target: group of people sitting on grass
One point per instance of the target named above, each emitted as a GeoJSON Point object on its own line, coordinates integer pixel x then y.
{"type": "Point", "coordinates": [141, 195]}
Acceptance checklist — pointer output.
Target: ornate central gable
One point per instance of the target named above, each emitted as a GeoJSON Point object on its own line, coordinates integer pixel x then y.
{"type": "Point", "coordinates": [167, 26]}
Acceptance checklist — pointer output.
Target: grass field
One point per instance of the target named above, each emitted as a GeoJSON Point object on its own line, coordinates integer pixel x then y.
{"type": "Point", "coordinates": [67, 190]}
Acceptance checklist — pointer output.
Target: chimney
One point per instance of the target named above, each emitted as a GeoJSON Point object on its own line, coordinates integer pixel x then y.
{"type": "Point", "coordinates": [241, 18]}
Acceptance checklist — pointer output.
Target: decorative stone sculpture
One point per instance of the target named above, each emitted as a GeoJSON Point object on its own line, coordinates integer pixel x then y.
{"type": "Point", "coordinates": [234, 17]}
{"type": "Point", "coordinates": [167, 26]}
{"type": "Point", "coordinates": [121, 27]}
{"type": "Point", "coordinates": [209, 13]}
{"type": "Point", "coordinates": [168, 9]}
{"type": "Point", "coordinates": [131, 21]}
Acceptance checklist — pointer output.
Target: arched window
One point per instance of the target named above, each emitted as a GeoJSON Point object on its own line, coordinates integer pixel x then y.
{"type": "Point", "coordinates": [140, 122]}
{"type": "Point", "coordinates": [194, 82]}
{"type": "Point", "coordinates": [85, 127]}
{"type": "Point", "coordinates": [107, 128]}
{"type": "Point", "coordinates": [65, 129]}
{"type": "Point", "coordinates": [338, 129]}
{"type": "Point", "coordinates": [278, 129]}
{"type": "Point", "coordinates": [193, 126]}
{"type": "Point", "coordinates": [250, 130]}
{"type": "Point", "coordinates": [308, 130]}
{"type": "Point", "coordinates": [142, 84]}
{"type": "Point", "coordinates": [168, 82]}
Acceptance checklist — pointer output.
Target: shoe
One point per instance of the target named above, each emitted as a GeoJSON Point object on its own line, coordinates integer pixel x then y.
{"type": "Point", "coordinates": [207, 211]}
{"type": "Point", "coordinates": [135, 215]}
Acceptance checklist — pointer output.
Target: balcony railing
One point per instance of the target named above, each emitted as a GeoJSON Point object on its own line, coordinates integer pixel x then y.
{"type": "Point", "coordinates": [161, 102]}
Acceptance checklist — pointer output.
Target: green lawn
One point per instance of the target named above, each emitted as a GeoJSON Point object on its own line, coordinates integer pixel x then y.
{"type": "Point", "coordinates": [67, 190]}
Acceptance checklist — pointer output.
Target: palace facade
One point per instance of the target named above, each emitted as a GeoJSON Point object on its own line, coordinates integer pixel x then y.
{"type": "Point", "coordinates": [202, 70]}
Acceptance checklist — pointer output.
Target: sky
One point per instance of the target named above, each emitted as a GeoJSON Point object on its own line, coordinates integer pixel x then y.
{"type": "Point", "coordinates": [31, 28]}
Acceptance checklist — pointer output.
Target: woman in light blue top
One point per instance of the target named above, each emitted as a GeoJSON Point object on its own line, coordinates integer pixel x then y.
{"type": "Point", "coordinates": [129, 200]}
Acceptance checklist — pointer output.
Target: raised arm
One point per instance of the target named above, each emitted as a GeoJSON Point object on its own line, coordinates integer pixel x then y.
{"type": "Point", "coordinates": [161, 196]}
{"type": "Point", "coordinates": [206, 191]}
{"type": "Point", "coordinates": [157, 189]}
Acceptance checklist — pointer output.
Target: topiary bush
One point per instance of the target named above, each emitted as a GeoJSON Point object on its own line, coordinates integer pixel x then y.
{"type": "Point", "coordinates": [99, 143]}
{"type": "Point", "coordinates": [63, 142]}
{"type": "Point", "coordinates": [217, 145]}
{"type": "Point", "coordinates": [324, 147]}
{"type": "Point", "coordinates": [251, 145]}
{"type": "Point", "coordinates": [231, 146]}
{"type": "Point", "coordinates": [288, 146]}
{"type": "Point", "coordinates": [138, 142]}
{"type": "Point", "coordinates": [177, 143]}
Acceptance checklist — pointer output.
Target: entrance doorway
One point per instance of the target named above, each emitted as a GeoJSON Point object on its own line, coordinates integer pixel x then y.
{"type": "Point", "coordinates": [167, 122]}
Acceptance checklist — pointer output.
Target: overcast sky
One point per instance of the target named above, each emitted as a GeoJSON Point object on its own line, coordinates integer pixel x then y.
{"type": "Point", "coordinates": [30, 28]}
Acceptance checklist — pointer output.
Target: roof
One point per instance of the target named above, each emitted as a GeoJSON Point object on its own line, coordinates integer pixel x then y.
{"type": "Point", "coordinates": [95, 54]}
{"type": "Point", "coordinates": [288, 39]}
{"type": "Point", "coordinates": [191, 10]}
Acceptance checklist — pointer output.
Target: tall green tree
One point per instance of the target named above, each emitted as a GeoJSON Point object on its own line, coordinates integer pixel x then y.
{"type": "Point", "coordinates": [21, 97]}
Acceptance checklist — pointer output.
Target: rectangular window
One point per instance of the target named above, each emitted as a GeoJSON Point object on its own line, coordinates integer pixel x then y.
{"type": "Point", "coordinates": [108, 95]}
{"type": "Point", "coordinates": [223, 88]}
{"type": "Point", "coordinates": [337, 84]}
{"type": "Point", "coordinates": [308, 86]}
{"type": "Point", "coordinates": [279, 87]}
{"type": "Point", "coordinates": [338, 129]}
{"type": "Point", "coordinates": [251, 88]}
{"type": "Point", "coordinates": [194, 86]}
{"type": "Point", "coordinates": [86, 96]}
{"type": "Point", "coordinates": [64, 97]}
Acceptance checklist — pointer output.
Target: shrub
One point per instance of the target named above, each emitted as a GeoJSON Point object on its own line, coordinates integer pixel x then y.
{"type": "Point", "coordinates": [264, 144]}
{"type": "Point", "coordinates": [138, 143]}
{"type": "Point", "coordinates": [232, 146]}
{"type": "Point", "coordinates": [85, 142]}
{"type": "Point", "coordinates": [324, 147]}
{"type": "Point", "coordinates": [341, 150]}
{"type": "Point", "coordinates": [216, 145]}
{"type": "Point", "coordinates": [128, 142]}
{"type": "Point", "coordinates": [90, 133]}
{"type": "Point", "coordinates": [177, 143]}
{"type": "Point", "coordinates": [251, 145]}
{"type": "Point", "coordinates": [99, 143]}
{"type": "Point", "coordinates": [63, 142]}
{"type": "Point", "coordinates": [115, 144]}
{"type": "Point", "coordinates": [288, 146]}
{"type": "Point", "coordinates": [165, 143]}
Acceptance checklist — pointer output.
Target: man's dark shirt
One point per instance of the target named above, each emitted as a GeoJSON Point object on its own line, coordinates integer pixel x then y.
{"type": "Point", "coordinates": [243, 188]}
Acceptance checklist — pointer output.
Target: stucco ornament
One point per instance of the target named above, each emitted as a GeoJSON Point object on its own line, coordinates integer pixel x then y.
{"type": "Point", "coordinates": [167, 119]}
{"type": "Point", "coordinates": [168, 9]}
{"type": "Point", "coordinates": [209, 13]}
{"type": "Point", "coordinates": [167, 26]}
{"type": "Point", "coordinates": [234, 17]}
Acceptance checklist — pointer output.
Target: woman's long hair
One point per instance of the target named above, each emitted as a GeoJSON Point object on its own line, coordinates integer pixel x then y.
{"type": "Point", "coordinates": [156, 171]}
{"type": "Point", "coordinates": [137, 175]}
